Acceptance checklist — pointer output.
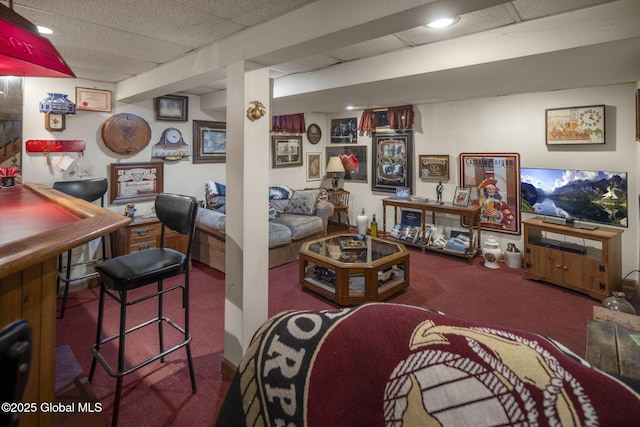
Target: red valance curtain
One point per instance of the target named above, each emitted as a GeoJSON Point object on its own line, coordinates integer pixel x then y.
{"type": "Point", "coordinates": [290, 123]}
{"type": "Point", "coordinates": [367, 121]}
{"type": "Point", "coordinates": [400, 117]}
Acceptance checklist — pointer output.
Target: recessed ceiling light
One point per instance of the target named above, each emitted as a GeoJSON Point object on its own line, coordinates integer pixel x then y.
{"type": "Point", "coordinates": [349, 107]}
{"type": "Point", "coordinates": [44, 30]}
{"type": "Point", "coordinates": [442, 23]}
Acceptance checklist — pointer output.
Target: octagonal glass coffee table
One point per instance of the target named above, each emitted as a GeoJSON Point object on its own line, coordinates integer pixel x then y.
{"type": "Point", "coordinates": [350, 271]}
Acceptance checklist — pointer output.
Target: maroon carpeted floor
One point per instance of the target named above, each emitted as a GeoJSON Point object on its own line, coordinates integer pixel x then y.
{"type": "Point", "coordinates": [160, 394]}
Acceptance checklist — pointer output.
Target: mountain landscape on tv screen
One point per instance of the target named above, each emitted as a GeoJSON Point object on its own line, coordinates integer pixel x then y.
{"type": "Point", "coordinates": [579, 195]}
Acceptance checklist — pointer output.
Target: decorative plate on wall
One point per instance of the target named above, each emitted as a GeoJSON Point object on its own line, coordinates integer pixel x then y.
{"type": "Point", "coordinates": [126, 133]}
{"type": "Point", "coordinates": [314, 133]}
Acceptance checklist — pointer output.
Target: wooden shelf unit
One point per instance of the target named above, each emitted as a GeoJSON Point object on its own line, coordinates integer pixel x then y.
{"type": "Point", "coordinates": [596, 273]}
{"type": "Point", "coordinates": [471, 213]}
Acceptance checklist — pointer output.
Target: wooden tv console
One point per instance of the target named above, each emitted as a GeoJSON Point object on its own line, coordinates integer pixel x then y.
{"type": "Point", "coordinates": [596, 272]}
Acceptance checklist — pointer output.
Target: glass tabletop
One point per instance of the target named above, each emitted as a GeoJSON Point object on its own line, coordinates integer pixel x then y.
{"type": "Point", "coordinates": [349, 249]}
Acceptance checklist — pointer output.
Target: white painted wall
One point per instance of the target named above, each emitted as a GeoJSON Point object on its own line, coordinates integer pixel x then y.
{"type": "Point", "coordinates": [502, 124]}
{"type": "Point", "coordinates": [516, 124]}
{"type": "Point", "coordinates": [179, 176]}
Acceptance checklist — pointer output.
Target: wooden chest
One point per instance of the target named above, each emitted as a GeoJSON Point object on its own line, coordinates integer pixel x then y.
{"type": "Point", "coordinates": [144, 233]}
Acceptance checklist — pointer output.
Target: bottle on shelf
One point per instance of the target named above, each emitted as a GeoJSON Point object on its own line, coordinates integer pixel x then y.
{"type": "Point", "coordinates": [374, 227]}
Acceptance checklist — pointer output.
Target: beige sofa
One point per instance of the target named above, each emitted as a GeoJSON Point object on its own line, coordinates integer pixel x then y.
{"type": "Point", "coordinates": [290, 225]}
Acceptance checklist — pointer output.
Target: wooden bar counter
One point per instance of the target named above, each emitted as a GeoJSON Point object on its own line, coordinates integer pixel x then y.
{"type": "Point", "coordinates": [36, 224]}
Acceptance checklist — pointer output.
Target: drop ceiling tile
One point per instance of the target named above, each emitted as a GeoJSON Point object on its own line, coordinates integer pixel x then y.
{"type": "Point", "coordinates": [90, 59]}
{"type": "Point", "coordinates": [99, 75]}
{"type": "Point", "coordinates": [87, 36]}
{"type": "Point", "coordinates": [246, 12]}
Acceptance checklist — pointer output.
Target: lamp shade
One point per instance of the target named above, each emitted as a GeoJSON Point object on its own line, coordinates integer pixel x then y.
{"type": "Point", "coordinates": [24, 53]}
{"type": "Point", "coordinates": [335, 165]}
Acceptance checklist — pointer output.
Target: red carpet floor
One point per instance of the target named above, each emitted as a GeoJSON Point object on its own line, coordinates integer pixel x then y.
{"type": "Point", "coordinates": [160, 394]}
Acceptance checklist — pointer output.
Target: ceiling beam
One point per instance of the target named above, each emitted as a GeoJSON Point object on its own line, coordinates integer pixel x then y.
{"type": "Point", "coordinates": [315, 28]}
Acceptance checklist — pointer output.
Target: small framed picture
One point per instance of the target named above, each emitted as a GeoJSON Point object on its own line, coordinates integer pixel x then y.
{"type": "Point", "coordinates": [171, 108]}
{"type": "Point", "coordinates": [93, 99]}
{"type": "Point", "coordinates": [314, 166]}
{"type": "Point", "coordinates": [209, 142]}
{"type": "Point", "coordinates": [286, 150]}
{"type": "Point", "coordinates": [461, 197]}
{"type": "Point", "coordinates": [403, 193]}
{"type": "Point", "coordinates": [135, 182]}
{"type": "Point", "coordinates": [433, 166]}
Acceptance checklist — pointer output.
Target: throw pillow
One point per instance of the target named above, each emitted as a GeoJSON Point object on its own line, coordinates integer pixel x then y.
{"type": "Point", "coordinates": [216, 202]}
{"type": "Point", "coordinates": [303, 202]}
{"type": "Point", "coordinates": [281, 192]}
{"type": "Point", "coordinates": [213, 189]}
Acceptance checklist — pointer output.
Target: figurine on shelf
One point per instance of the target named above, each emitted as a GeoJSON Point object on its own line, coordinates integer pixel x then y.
{"type": "Point", "coordinates": [130, 210]}
{"type": "Point", "coordinates": [439, 189]}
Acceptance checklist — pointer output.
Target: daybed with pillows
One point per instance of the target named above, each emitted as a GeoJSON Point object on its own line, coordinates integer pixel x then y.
{"type": "Point", "coordinates": [394, 365]}
{"type": "Point", "coordinates": [295, 216]}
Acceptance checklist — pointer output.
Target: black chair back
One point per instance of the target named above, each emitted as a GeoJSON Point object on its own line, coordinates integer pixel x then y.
{"type": "Point", "coordinates": [177, 212]}
{"type": "Point", "coordinates": [85, 189]}
{"type": "Point", "coordinates": [15, 362]}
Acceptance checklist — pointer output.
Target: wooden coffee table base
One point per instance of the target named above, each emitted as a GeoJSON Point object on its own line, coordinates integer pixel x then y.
{"type": "Point", "coordinates": [357, 283]}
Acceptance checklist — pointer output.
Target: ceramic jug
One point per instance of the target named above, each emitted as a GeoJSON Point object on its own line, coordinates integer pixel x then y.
{"type": "Point", "coordinates": [491, 253]}
{"type": "Point", "coordinates": [513, 256]}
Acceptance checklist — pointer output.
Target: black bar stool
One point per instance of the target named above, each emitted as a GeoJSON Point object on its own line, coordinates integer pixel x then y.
{"type": "Point", "coordinates": [125, 273]}
{"type": "Point", "coordinates": [89, 190]}
{"type": "Point", "coordinates": [16, 346]}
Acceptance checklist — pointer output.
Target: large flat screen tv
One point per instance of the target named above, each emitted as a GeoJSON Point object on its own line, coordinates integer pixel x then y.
{"type": "Point", "coordinates": [575, 195]}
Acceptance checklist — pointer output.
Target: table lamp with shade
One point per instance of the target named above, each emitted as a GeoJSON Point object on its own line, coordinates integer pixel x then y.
{"type": "Point", "coordinates": [335, 167]}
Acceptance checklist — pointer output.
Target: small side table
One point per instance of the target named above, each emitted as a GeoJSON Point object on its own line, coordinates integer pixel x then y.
{"type": "Point", "coordinates": [340, 200]}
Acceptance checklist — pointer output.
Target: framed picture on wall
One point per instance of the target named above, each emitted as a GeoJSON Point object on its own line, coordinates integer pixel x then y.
{"type": "Point", "coordinates": [392, 161]}
{"type": "Point", "coordinates": [314, 166]}
{"type": "Point", "coordinates": [575, 125]}
{"type": "Point", "coordinates": [135, 182]}
{"type": "Point", "coordinates": [286, 150]}
{"type": "Point", "coordinates": [433, 167]}
{"type": "Point", "coordinates": [354, 160]}
{"type": "Point", "coordinates": [172, 108]}
{"type": "Point", "coordinates": [93, 99]}
{"type": "Point", "coordinates": [344, 131]}
{"type": "Point", "coordinates": [494, 183]}
{"type": "Point", "coordinates": [209, 142]}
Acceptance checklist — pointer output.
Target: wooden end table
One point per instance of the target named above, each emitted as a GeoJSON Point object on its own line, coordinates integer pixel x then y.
{"type": "Point", "coordinates": [350, 276]}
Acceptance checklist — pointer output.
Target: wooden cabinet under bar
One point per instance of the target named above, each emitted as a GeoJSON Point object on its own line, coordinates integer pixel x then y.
{"type": "Point", "coordinates": [36, 225]}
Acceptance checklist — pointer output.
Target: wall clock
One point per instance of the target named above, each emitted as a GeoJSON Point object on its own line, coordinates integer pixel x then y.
{"type": "Point", "coordinates": [171, 145]}
{"type": "Point", "coordinates": [54, 122]}
{"type": "Point", "coordinates": [314, 133]}
{"type": "Point", "coordinates": [126, 133]}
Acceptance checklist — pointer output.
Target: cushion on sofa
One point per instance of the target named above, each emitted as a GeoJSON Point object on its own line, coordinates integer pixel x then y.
{"type": "Point", "coordinates": [301, 226]}
{"type": "Point", "coordinates": [279, 234]}
{"type": "Point", "coordinates": [303, 202]}
{"type": "Point", "coordinates": [280, 192]}
{"type": "Point", "coordinates": [213, 190]}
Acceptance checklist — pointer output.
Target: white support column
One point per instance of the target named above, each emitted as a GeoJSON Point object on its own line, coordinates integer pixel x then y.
{"type": "Point", "coordinates": [247, 225]}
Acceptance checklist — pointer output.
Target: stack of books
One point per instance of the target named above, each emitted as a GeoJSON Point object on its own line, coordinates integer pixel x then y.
{"type": "Point", "coordinates": [458, 242]}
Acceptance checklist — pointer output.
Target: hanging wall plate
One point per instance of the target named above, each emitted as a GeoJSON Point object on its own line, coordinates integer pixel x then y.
{"type": "Point", "coordinates": [126, 133]}
{"type": "Point", "coordinates": [314, 133]}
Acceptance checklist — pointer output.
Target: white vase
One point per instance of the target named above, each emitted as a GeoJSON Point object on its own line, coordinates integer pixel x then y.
{"type": "Point", "coordinates": [362, 220]}
{"type": "Point", "coordinates": [491, 253]}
